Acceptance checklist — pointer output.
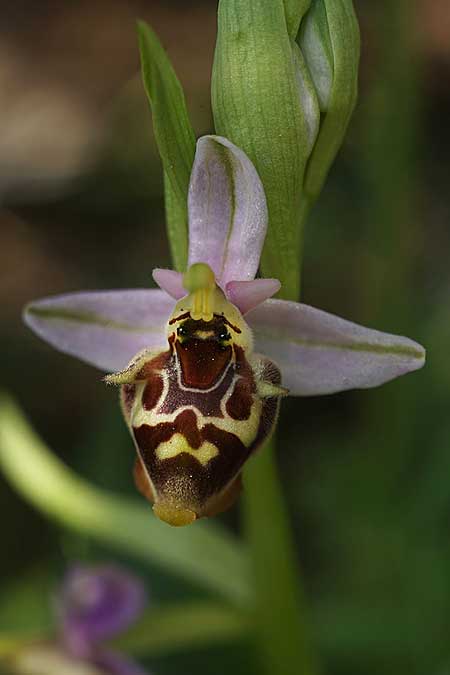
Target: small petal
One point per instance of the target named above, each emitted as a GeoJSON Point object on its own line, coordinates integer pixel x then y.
{"type": "Point", "coordinates": [170, 281]}
{"type": "Point", "coordinates": [95, 604]}
{"type": "Point", "coordinates": [248, 294]}
{"type": "Point", "coordinates": [320, 353]}
{"type": "Point", "coordinates": [103, 328]}
{"type": "Point", "coordinates": [227, 211]}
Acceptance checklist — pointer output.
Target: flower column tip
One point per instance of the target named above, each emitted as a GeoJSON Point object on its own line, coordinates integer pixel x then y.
{"type": "Point", "coordinates": [200, 281]}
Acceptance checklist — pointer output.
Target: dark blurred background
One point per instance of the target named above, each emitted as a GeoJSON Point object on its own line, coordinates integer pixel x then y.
{"type": "Point", "coordinates": [367, 473]}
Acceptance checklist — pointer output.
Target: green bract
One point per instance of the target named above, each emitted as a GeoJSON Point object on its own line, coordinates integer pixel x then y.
{"type": "Point", "coordinates": [283, 89]}
{"type": "Point", "coordinates": [256, 104]}
{"type": "Point", "coordinates": [294, 11]}
{"type": "Point", "coordinates": [173, 134]}
{"type": "Point", "coordinates": [329, 40]}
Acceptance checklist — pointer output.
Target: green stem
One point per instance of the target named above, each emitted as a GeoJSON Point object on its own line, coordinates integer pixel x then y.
{"type": "Point", "coordinates": [282, 632]}
{"type": "Point", "coordinates": [303, 214]}
{"type": "Point", "coordinates": [280, 614]}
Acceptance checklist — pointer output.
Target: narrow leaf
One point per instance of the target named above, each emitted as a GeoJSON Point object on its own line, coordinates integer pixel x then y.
{"type": "Point", "coordinates": [176, 224]}
{"type": "Point", "coordinates": [173, 134]}
{"type": "Point", "coordinates": [203, 553]}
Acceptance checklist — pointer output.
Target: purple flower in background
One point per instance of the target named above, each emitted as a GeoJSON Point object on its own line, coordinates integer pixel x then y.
{"type": "Point", "coordinates": [94, 605]}
{"type": "Point", "coordinates": [226, 326]}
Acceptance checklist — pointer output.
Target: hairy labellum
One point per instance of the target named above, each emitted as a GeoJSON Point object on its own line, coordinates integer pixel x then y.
{"type": "Point", "coordinates": [199, 408]}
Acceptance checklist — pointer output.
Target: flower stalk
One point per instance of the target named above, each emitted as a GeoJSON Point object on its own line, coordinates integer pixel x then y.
{"type": "Point", "coordinates": [280, 610]}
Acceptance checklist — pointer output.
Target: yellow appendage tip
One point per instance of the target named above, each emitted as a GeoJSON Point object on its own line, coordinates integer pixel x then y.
{"type": "Point", "coordinates": [173, 515]}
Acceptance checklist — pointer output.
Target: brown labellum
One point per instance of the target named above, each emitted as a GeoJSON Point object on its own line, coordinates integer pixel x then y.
{"type": "Point", "coordinates": [198, 410]}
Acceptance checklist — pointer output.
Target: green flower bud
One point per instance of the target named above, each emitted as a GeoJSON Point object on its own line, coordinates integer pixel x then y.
{"type": "Point", "coordinates": [329, 41]}
{"type": "Point", "coordinates": [264, 102]}
{"type": "Point", "coordinates": [284, 86]}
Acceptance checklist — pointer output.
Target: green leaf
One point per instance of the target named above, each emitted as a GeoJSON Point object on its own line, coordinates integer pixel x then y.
{"type": "Point", "coordinates": [176, 215]}
{"type": "Point", "coordinates": [183, 627]}
{"type": "Point", "coordinates": [201, 553]}
{"type": "Point", "coordinates": [174, 136]}
{"type": "Point", "coordinates": [257, 104]}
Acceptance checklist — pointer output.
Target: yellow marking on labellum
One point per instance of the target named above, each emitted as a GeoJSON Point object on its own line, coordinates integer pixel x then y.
{"type": "Point", "coordinates": [178, 444]}
{"type": "Point", "coordinates": [173, 514]}
{"type": "Point", "coordinates": [206, 389]}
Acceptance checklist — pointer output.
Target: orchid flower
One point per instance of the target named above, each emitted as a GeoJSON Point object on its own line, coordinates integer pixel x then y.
{"type": "Point", "coordinates": [93, 605]}
{"type": "Point", "coordinates": [203, 361]}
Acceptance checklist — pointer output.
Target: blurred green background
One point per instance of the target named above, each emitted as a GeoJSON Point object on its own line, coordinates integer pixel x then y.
{"type": "Point", "coordinates": [366, 474]}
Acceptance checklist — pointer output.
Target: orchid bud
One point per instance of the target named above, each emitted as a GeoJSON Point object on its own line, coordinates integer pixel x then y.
{"type": "Point", "coordinates": [283, 89]}
{"type": "Point", "coordinates": [264, 102]}
{"type": "Point", "coordinates": [329, 41]}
